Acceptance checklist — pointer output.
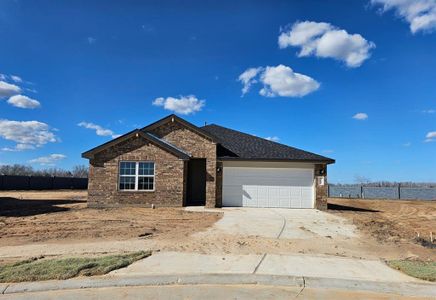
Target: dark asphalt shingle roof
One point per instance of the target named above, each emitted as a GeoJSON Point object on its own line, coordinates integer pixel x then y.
{"type": "Point", "coordinates": [247, 146]}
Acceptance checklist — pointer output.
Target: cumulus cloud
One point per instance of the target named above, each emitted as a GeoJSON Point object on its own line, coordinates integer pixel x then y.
{"type": "Point", "coordinates": [48, 160]}
{"type": "Point", "coordinates": [184, 105]}
{"type": "Point", "coordinates": [98, 129]}
{"type": "Point", "coordinates": [360, 116]}
{"type": "Point", "coordinates": [273, 138]}
{"type": "Point", "coordinates": [8, 89]}
{"type": "Point", "coordinates": [431, 136]}
{"type": "Point", "coordinates": [420, 14]}
{"type": "Point", "coordinates": [27, 134]}
{"type": "Point", "coordinates": [325, 40]}
{"type": "Point", "coordinates": [279, 81]}
{"type": "Point", "coordinates": [23, 102]}
{"type": "Point", "coordinates": [248, 78]}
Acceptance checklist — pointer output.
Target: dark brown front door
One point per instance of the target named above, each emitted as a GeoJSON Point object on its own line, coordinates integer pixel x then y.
{"type": "Point", "coordinates": [196, 189]}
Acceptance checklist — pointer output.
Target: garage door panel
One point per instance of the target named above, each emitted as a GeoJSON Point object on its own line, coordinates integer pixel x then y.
{"type": "Point", "coordinates": [268, 187]}
{"type": "Point", "coordinates": [249, 196]}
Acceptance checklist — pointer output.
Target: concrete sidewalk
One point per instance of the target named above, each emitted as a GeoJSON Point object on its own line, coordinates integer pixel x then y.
{"type": "Point", "coordinates": [296, 271]}
{"type": "Point", "coordinates": [165, 263]}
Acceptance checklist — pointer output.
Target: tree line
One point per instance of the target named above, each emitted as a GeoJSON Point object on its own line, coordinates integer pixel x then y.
{"type": "Point", "coordinates": [80, 171]}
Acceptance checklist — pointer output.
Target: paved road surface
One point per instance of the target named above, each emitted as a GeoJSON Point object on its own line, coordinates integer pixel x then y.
{"type": "Point", "coordinates": [209, 292]}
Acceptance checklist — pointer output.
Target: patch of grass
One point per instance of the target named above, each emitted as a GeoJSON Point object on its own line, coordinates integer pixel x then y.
{"type": "Point", "coordinates": [425, 270]}
{"type": "Point", "coordinates": [47, 269]}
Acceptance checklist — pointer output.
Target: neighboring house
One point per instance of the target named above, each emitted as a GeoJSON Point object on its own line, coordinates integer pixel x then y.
{"type": "Point", "coordinates": [175, 163]}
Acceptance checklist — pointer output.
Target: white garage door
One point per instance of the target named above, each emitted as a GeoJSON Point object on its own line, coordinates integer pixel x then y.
{"type": "Point", "coordinates": [268, 187]}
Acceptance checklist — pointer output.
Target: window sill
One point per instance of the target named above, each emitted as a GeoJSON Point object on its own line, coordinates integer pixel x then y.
{"type": "Point", "coordinates": [135, 191]}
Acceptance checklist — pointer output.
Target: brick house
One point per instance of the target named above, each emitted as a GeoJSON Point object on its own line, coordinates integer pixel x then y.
{"type": "Point", "coordinates": [174, 163]}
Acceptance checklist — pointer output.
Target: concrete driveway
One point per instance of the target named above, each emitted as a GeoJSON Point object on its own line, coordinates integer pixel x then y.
{"type": "Point", "coordinates": [280, 223]}
{"type": "Point", "coordinates": [270, 224]}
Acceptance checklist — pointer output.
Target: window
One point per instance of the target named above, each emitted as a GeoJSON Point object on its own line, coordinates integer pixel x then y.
{"type": "Point", "coordinates": [136, 176]}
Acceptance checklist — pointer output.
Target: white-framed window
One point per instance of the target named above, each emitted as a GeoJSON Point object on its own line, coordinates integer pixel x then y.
{"type": "Point", "coordinates": [136, 176]}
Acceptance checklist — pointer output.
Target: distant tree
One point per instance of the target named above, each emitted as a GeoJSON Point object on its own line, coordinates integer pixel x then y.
{"type": "Point", "coordinates": [16, 169]}
{"type": "Point", "coordinates": [80, 171]}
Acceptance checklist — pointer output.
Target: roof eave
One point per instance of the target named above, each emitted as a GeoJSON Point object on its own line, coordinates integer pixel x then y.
{"type": "Point", "coordinates": [320, 161]}
{"type": "Point", "coordinates": [91, 153]}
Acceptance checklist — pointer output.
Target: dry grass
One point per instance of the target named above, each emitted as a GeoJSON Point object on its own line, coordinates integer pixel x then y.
{"type": "Point", "coordinates": [47, 269]}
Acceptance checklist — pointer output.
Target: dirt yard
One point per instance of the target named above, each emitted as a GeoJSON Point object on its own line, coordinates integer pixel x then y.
{"type": "Point", "coordinates": [58, 223]}
{"type": "Point", "coordinates": [62, 217]}
{"type": "Point", "coordinates": [392, 222]}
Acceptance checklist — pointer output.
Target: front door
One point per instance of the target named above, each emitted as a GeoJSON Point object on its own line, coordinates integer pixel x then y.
{"type": "Point", "coordinates": [196, 189]}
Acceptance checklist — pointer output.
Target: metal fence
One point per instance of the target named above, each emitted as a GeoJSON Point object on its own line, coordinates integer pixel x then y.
{"type": "Point", "coordinates": [374, 192]}
{"type": "Point", "coordinates": [12, 182]}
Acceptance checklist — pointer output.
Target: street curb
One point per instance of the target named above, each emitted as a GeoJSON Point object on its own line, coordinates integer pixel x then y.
{"type": "Point", "coordinates": [399, 288]}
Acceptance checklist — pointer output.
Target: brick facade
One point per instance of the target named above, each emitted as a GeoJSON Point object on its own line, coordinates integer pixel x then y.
{"type": "Point", "coordinates": [199, 147]}
{"type": "Point", "coordinates": [171, 174]}
{"type": "Point", "coordinates": [103, 176]}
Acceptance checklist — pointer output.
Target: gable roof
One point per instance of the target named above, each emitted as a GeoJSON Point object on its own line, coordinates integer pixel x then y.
{"type": "Point", "coordinates": [146, 135]}
{"type": "Point", "coordinates": [174, 118]}
{"type": "Point", "coordinates": [249, 147]}
{"type": "Point", "coordinates": [231, 144]}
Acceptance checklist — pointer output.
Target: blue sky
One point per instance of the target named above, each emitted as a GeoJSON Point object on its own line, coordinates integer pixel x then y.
{"type": "Point", "coordinates": [98, 69]}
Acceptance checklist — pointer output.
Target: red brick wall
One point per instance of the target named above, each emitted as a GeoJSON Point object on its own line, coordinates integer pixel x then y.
{"type": "Point", "coordinates": [103, 177]}
{"type": "Point", "coordinates": [199, 147]}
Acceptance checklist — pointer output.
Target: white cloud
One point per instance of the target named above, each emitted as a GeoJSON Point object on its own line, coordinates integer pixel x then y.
{"type": "Point", "coordinates": [429, 111]}
{"type": "Point", "coordinates": [8, 89]}
{"type": "Point", "coordinates": [431, 136]}
{"type": "Point", "coordinates": [325, 40]}
{"type": "Point", "coordinates": [360, 116]}
{"type": "Point", "coordinates": [27, 134]}
{"type": "Point", "coordinates": [184, 105]}
{"type": "Point", "coordinates": [283, 81]}
{"type": "Point", "coordinates": [273, 138]}
{"type": "Point", "coordinates": [420, 14]}
{"type": "Point", "coordinates": [48, 160]}
{"type": "Point", "coordinates": [23, 102]}
{"type": "Point", "coordinates": [278, 81]}
{"type": "Point", "coordinates": [248, 78]}
{"type": "Point", "coordinates": [16, 78]}
{"type": "Point", "coordinates": [19, 147]}
{"type": "Point", "coordinates": [98, 129]}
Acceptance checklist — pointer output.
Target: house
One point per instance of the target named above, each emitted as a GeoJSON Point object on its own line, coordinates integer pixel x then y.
{"type": "Point", "coordinates": [174, 163]}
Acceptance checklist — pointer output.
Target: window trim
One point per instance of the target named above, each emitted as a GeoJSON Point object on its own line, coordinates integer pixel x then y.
{"type": "Point", "coordinates": [136, 175]}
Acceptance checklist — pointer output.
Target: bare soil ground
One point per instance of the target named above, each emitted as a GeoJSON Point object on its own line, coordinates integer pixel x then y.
{"type": "Point", "coordinates": [62, 217]}
{"type": "Point", "coordinates": [58, 223]}
{"type": "Point", "coordinates": [392, 222]}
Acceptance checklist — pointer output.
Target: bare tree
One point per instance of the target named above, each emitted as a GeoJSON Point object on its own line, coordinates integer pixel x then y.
{"type": "Point", "coordinates": [80, 171]}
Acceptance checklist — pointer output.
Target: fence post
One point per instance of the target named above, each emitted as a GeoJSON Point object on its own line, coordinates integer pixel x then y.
{"type": "Point", "coordinates": [399, 191]}
{"type": "Point", "coordinates": [361, 191]}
